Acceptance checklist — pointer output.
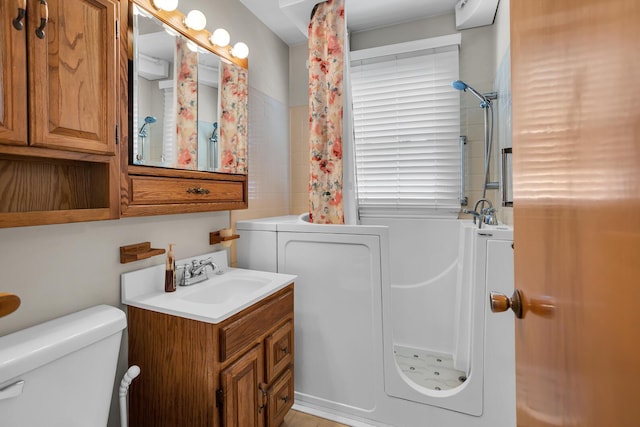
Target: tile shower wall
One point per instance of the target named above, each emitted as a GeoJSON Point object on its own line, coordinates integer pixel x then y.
{"type": "Point", "coordinates": [269, 172]}
{"type": "Point", "coordinates": [299, 133]}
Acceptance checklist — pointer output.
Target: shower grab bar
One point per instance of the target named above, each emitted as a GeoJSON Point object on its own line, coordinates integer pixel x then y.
{"type": "Point", "coordinates": [464, 200]}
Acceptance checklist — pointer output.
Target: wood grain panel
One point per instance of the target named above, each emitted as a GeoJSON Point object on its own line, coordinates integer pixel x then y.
{"type": "Point", "coordinates": [174, 355]}
{"type": "Point", "coordinates": [13, 77]}
{"type": "Point", "coordinates": [73, 76]}
{"type": "Point", "coordinates": [576, 138]}
{"type": "Point", "coordinates": [51, 186]}
{"type": "Point", "coordinates": [239, 334]}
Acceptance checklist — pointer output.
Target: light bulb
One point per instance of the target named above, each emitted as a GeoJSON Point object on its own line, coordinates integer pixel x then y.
{"type": "Point", "coordinates": [220, 37]}
{"type": "Point", "coordinates": [240, 50]}
{"type": "Point", "coordinates": [167, 5]}
{"type": "Point", "coordinates": [170, 31]}
{"type": "Point", "coordinates": [195, 20]}
{"type": "Point", "coordinates": [192, 46]}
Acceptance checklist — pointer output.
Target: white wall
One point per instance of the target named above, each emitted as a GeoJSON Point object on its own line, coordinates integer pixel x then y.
{"type": "Point", "coordinates": [501, 29]}
{"type": "Point", "coordinates": [58, 269]}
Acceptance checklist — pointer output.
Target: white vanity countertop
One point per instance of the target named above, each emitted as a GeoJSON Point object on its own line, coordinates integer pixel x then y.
{"type": "Point", "coordinates": [211, 301]}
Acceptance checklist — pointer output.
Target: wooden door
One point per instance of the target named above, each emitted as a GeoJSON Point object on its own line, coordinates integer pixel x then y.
{"type": "Point", "coordinates": [13, 73]}
{"type": "Point", "coordinates": [73, 75]}
{"type": "Point", "coordinates": [576, 145]}
{"type": "Point", "coordinates": [244, 402]}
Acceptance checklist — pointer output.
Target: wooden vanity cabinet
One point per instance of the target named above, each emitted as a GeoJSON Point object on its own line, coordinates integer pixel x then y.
{"type": "Point", "coordinates": [238, 373]}
{"type": "Point", "coordinates": [59, 112]}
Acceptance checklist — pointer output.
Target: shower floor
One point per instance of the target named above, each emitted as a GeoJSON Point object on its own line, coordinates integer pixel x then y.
{"type": "Point", "coordinates": [428, 369]}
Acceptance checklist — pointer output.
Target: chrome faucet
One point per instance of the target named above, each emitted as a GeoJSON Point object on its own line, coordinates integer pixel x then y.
{"type": "Point", "coordinates": [195, 272]}
{"type": "Point", "coordinates": [486, 215]}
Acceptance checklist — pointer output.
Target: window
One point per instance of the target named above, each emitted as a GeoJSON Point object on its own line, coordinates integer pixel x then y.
{"type": "Point", "coordinates": [406, 128]}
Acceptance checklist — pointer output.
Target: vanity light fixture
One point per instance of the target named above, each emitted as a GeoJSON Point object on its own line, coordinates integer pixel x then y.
{"type": "Point", "coordinates": [220, 37]}
{"type": "Point", "coordinates": [166, 5]}
{"type": "Point", "coordinates": [240, 50]}
{"type": "Point", "coordinates": [195, 20]}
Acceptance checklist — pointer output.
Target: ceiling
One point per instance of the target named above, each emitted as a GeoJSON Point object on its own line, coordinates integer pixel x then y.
{"type": "Point", "coordinates": [289, 18]}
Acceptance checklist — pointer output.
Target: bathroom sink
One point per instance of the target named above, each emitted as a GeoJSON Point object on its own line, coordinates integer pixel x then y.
{"type": "Point", "coordinates": [222, 289]}
{"type": "Point", "coordinates": [212, 301]}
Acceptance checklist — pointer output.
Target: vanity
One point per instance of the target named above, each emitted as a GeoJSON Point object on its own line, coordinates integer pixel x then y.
{"type": "Point", "coordinates": [218, 353]}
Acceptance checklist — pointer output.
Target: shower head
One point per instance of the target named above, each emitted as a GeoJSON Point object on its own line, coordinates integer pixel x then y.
{"type": "Point", "coordinates": [147, 121]}
{"type": "Point", "coordinates": [460, 85]}
{"type": "Point", "coordinates": [214, 134]}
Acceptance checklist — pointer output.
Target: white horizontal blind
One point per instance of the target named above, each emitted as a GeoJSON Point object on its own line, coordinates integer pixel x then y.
{"type": "Point", "coordinates": [406, 128]}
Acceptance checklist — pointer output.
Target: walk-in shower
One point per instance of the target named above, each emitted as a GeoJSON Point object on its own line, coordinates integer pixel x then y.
{"type": "Point", "coordinates": [392, 321]}
{"type": "Point", "coordinates": [487, 108]}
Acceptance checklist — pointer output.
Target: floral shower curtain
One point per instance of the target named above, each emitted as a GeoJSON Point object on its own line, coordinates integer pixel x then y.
{"type": "Point", "coordinates": [233, 136]}
{"type": "Point", "coordinates": [187, 102]}
{"type": "Point", "coordinates": [326, 68]}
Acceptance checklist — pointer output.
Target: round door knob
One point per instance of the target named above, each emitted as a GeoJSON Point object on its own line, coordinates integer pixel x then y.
{"type": "Point", "coordinates": [500, 302]}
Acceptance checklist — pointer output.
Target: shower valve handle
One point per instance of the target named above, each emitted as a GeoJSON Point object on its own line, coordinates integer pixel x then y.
{"type": "Point", "coordinates": [500, 302]}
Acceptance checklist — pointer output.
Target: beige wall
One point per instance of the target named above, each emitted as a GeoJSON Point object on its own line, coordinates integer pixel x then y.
{"type": "Point", "coordinates": [58, 269]}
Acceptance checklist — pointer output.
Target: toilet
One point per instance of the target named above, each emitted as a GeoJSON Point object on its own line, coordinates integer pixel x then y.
{"type": "Point", "coordinates": [61, 373]}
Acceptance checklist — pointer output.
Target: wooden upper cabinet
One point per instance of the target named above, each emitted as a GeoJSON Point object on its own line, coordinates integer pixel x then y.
{"type": "Point", "coordinates": [69, 75]}
{"type": "Point", "coordinates": [13, 77]}
{"type": "Point", "coordinates": [59, 111]}
{"type": "Point", "coordinates": [72, 75]}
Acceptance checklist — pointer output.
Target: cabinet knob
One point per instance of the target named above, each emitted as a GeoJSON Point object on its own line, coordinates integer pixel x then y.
{"type": "Point", "coordinates": [285, 399]}
{"type": "Point", "coordinates": [22, 11]}
{"type": "Point", "coordinates": [284, 349]}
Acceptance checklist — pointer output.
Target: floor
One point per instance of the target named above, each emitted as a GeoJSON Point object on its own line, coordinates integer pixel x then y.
{"type": "Point", "coordinates": [300, 419]}
{"type": "Point", "coordinates": [429, 369]}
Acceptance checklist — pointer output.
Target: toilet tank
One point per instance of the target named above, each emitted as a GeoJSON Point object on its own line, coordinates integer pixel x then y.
{"type": "Point", "coordinates": [61, 373]}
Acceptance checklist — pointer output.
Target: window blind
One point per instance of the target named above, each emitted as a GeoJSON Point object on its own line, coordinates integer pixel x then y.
{"type": "Point", "coordinates": [406, 129]}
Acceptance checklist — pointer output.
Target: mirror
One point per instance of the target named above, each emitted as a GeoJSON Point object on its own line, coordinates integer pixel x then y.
{"type": "Point", "coordinates": [189, 104]}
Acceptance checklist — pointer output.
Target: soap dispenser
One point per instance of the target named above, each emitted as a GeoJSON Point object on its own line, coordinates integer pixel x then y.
{"type": "Point", "coordinates": [170, 271]}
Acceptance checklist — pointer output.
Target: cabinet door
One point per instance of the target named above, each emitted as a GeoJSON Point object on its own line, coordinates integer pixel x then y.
{"type": "Point", "coordinates": [13, 75]}
{"type": "Point", "coordinates": [244, 402]}
{"type": "Point", "coordinates": [73, 75]}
